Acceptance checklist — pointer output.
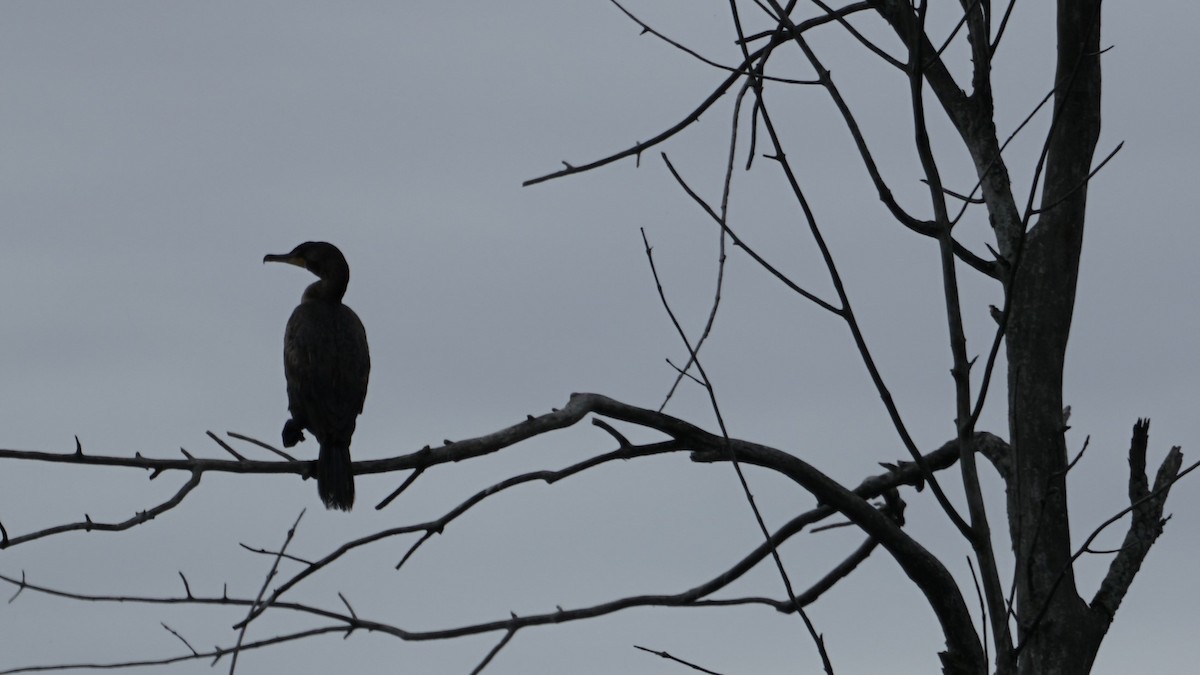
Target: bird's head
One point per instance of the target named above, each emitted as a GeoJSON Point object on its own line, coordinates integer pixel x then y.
{"type": "Point", "coordinates": [321, 258]}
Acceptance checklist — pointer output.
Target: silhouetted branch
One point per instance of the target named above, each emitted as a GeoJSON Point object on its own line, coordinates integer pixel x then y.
{"type": "Point", "coordinates": [265, 446]}
{"type": "Point", "coordinates": [685, 435]}
{"type": "Point", "coordinates": [721, 257]}
{"type": "Point", "coordinates": [647, 29]}
{"type": "Point", "coordinates": [922, 567]}
{"type": "Point", "coordinates": [89, 525]}
{"type": "Point", "coordinates": [847, 314]}
{"type": "Point", "coordinates": [758, 518]}
{"type": "Point", "coordinates": [979, 537]}
{"type": "Point", "coordinates": [1147, 505]}
{"type": "Point", "coordinates": [508, 635]}
{"type": "Point", "coordinates": [237, 648]}
{"type": "Point", "coordinates": [1144, 529]}
{"type": "Point", "coordinates": [215, 654]}
{"type": "Point", "coordinates": [740, 243]}
{"type": "Point", "coordinates": [408, 481]}
{"type": "Point", "coordinates": [637, 149]}
{"type": "Point", "coordinates": [187, 644]}
{"type": "Point", "coordinates": [676, 659]}
{"type": "Point", "coordinates": [225, 446]}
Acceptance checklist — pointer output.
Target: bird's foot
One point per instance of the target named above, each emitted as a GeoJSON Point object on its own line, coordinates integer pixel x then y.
{"type": "Point", "coordinates": [292, 433]}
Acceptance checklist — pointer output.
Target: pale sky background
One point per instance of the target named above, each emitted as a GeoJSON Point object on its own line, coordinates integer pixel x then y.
{"type": "Point", "coordinates": [152, 152]}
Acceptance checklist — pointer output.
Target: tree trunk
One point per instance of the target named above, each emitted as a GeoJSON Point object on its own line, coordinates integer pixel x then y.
{"type": "Point", "coordinates": [1059, 634]}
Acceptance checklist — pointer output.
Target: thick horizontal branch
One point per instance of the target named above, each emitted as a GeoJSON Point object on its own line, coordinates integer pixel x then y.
{"type": "Point", "coordinates": [451, 452]}
{"type": "Point", "coordinates": [579, 406]}
{"type": "Point", "coordinates": [682, 434]}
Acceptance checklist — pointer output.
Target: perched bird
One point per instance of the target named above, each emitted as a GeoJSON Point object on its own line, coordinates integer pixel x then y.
{"type": "Point", "coordinates": [327, 363]}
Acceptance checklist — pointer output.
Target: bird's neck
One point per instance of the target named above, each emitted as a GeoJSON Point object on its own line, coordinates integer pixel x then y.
{"type": "Point", "coordinates": [326, 290]}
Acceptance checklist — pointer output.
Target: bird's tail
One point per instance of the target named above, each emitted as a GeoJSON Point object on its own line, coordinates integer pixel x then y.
{"type": "Point", "coordinates": [335, 477]}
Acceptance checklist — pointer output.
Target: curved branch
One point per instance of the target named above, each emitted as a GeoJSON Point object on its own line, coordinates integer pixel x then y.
{"type": "Point", "coordinates": [921, 566]}
{"type": "Point", "coordinates": [906, 473]}
{"type": "Point", "coordinates": [885, 193]}
{"type": "Point", "coordinates": [738, 72]}
{"type": "Point", "coordinates": [647, 29]}
{"type": "Point", "coordinates": [972, 117]}
{"type": "Point", "coordinates": [89, 525]}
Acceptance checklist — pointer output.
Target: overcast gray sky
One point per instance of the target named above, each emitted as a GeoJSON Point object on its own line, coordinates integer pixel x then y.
{"type": "Point", "coordinates": [151, 153]}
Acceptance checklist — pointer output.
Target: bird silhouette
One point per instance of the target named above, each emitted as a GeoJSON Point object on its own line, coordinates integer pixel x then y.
{"type": "Point", "coordinates": [327, 364]}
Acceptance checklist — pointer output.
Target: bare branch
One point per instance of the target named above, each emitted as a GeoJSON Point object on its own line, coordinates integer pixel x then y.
{"type": "Point", "coordinates": [973, 119]}
{"type": "Point", "coordinates": [925, 570]}
{"type": "Point", "coordinates": [1003, 24]}
{"type": "Point", "coordinates": [621, 440]}
{"type": "Point", "coordinates": [647, 29]}
{"type": "Point", "coordinates": [437, 526]}
{"type": "Point", "coordinates": [676, 659]}
{"type": "Point", "coordinates": [904, 474]}
{"type": "Point", "coordinates": [979, 535]}
{"type": "Point", "coordinates": [495, 650]}
{"type": "Point", "coordinates": [89, 525]}
{"type": "Point", "coordinates": [237, 648]}
{"type": "Point", "coordinates": [214, 653]}
{"type": "Point", "coordinates": [225, 446]}
{"type": "Point", "coordinates": [739, 71]}
{"type": "Point", "coordinates": [762, 526]}
{"type": "Point", "coordinates": [721, 257]}
{"type": "Point", "coordinates": [1147, 506]}
{"type": "Point", "coordinates": [286, 556]}
{"type": "Point", "coordinates": [1143, 532]}
{"type": "Point", "coordinates": [1083, 182]}
{"type": "Point", "coordinates": [860, 142]}
{"type": "Point", "coordinates": [261, 444]}
{"type": "Point", "coordinates": [737, 241]}
{"type": "Point", "coordinates": [847, 314]}
{"type": "Point", "coordinates": [412, 478]}
{"type": "Point", "coordinates": [637, 149]}
{"type": "Point", "coordinates": [871, 46]}
{"type": "Point", "coordinates": [187, 644]}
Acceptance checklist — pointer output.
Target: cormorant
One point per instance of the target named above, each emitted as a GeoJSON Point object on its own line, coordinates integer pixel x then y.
{"type": "Point", "coordinates": [327, 363]}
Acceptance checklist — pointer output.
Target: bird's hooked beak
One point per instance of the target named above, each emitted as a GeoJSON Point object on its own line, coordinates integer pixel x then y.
{"type": "Point", "coordinates": [289, 258]}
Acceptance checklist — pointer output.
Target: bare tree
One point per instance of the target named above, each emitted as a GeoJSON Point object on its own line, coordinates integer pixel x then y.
{"type": "Point", "coordinates": [1036, 619]}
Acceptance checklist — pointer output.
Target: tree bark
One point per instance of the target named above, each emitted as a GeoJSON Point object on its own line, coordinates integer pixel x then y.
{"type": "Point", "coordinates": [1057, 632]}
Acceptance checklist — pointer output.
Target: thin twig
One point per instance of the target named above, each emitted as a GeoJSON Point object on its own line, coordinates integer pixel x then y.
{"type": "Point", "coordinates": [225, 446]}
{"type": "Point", "coordinates": [408, 481]}
{"type": "Point", "coordinates": [721, 257]}
{"type": "Point", "coordinates": [215, 653]}
{"type": "Point", "coordinates": [637, 149]}
{"type": "Point", "coordinates": [676, 659]}
{"type": "Point", "coordinates": [261, 444]}
{"type": "Point", "coordinates": [647, 29]}
{"type": "Point", "coordinates": [979, 533]}
{"type": "Point", "coordinates": [1092, 174]}
{"type": "Point", "coordinates": [286, 556]}
{"type": "Point", "coordinates": [508, 635]}
{"type": "Point", "coordinates": [261, 591]}
{"type": "Point", "coordinates": [712, 397]}
{"type": "Point", "coordinates": [740, 243]}
{"type": "Point", "coordinates": [847, 314]}
{"type": "Point", "coordinates": [187, 644]}
{"type": "Point", "coordinates": [89, 525]}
